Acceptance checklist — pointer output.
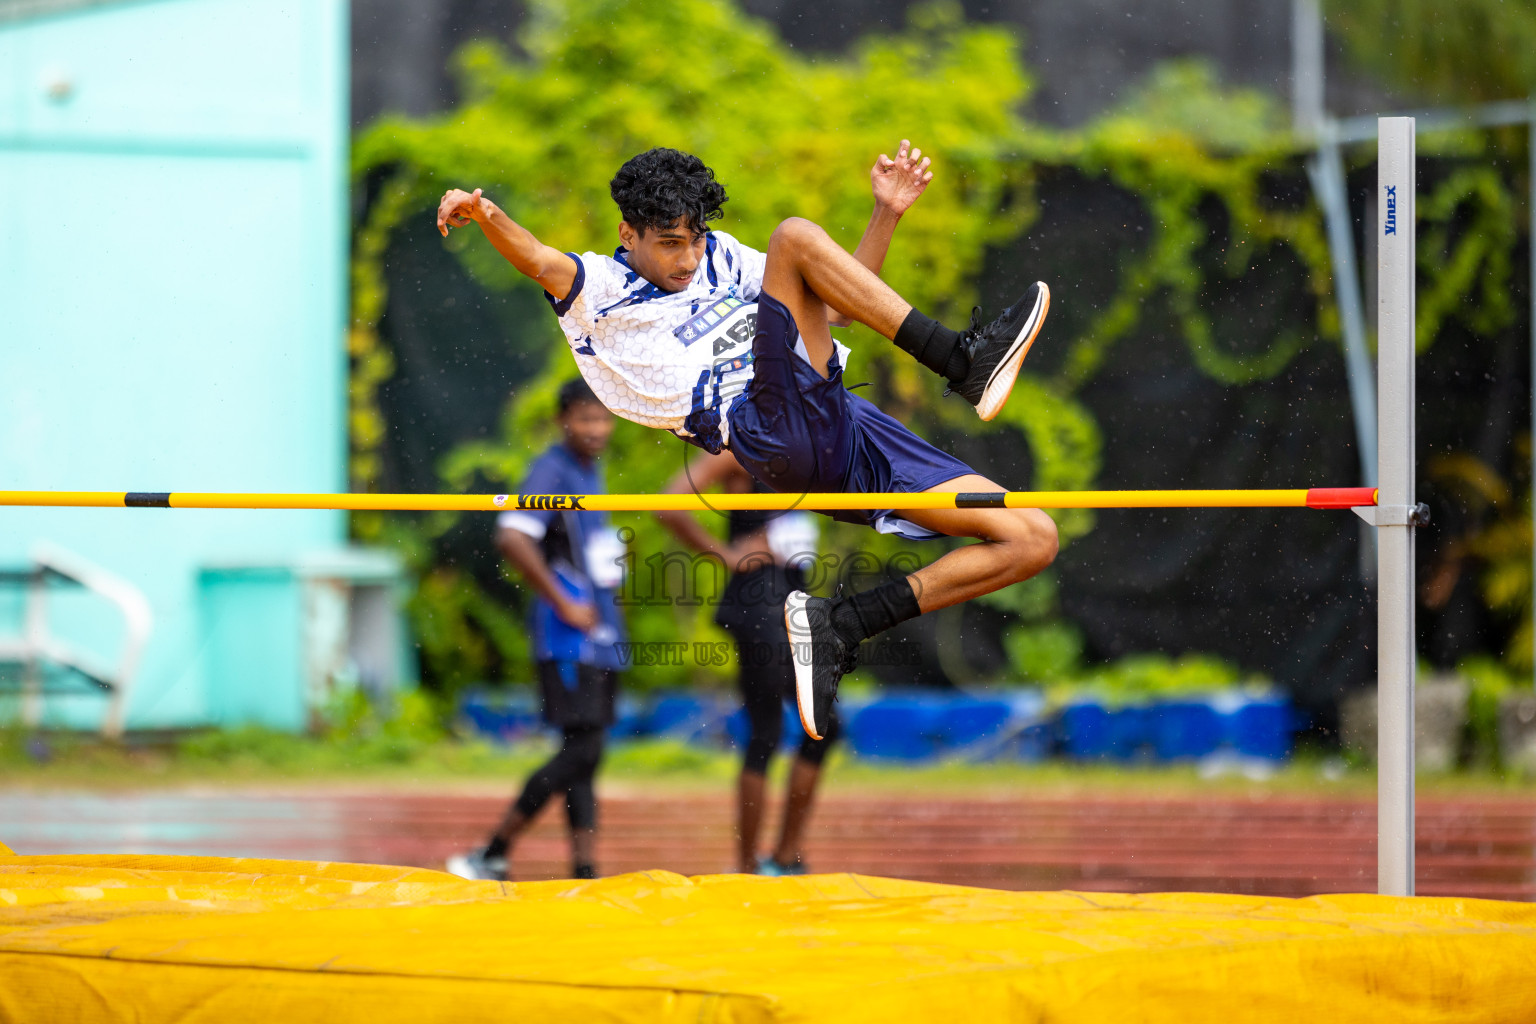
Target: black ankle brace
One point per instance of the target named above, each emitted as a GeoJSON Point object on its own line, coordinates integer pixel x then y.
{"type": "Point", "coordinates": [860, 616]}
{"type": "Point", "coordinates": [933, 345]}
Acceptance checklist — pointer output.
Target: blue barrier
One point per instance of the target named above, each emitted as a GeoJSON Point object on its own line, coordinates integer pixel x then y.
{"type": "Point", "coordinates": [920, 726]}
{"type": "Point", "coordinates": [1084, 731]}
{"type": "Point", "coordinates": [1034, 742]}
{"type": "Point", "coordinates": [1178, 730]}
{"type": "Point", "coordinates": [1089, 731]}
{"type": "Point", "coordinates": [1263, 729]}
{"type": "Point", "coordinates": [965, 722]}
{"type": "Point", "coordinates": [1185, 730]}
{"type": "Point", "coordinates": [898, 728]}
{"type": "Point", "coordinates": [629, 720]}
{"type": "Point", "coordinates": [737, 727]}
{"type": "Point", "coordinates": [914, 727]}
{"type": "Point", "coordinates": [1130, 733]}
{"type": "Point", "coordinates": [501, 718]}
{"type": "Point", "coordinates": [676, 713]}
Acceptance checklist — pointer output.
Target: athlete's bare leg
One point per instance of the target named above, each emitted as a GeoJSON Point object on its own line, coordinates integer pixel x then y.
{"type": "Point", "coordinates": [799, 799]}
{"type": "Point", "coordinates": [808, 272]}
{"type": "Point", "coordinates": [584, 845]}
{"type": "Point", "coordinates": [1016, 543]}
{"type": "Point", "coordinates": [513, 824]}
{"type": "Point", "coordinates": [751, 789]}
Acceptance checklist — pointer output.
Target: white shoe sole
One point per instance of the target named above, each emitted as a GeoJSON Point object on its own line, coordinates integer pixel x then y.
{"type": "Point", "coordinates": [462, 865]}
{"type": "Point", "coordinates": [800, 653]}
{"type": "Point", "coordinates": [995, 394]}
{"type": "Point", "coordinates": [459, 865]}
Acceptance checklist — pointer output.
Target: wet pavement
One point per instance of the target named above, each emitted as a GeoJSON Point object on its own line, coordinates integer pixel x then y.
{"type": "Point", "coordinates": [1286, 846]}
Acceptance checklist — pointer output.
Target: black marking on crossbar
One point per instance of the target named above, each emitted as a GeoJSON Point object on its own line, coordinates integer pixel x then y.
{"type": "Point", "coordinates": [147, 499]}
{"type": "Point", "coordinates": [981, 499]}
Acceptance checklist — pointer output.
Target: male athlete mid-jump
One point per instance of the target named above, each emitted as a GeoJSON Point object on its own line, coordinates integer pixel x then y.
{"type": "Point", "coordinates": [687, 329]}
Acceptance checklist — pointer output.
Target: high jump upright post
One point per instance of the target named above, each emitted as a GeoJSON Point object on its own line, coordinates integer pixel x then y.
{"type": "Point", "coordinates": [1397, 513]}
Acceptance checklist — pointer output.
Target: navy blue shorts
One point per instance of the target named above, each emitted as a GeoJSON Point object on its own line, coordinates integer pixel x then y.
{"type": "Point", "coordinates": [795, 431]}
{"type": "Point", "coordinates": [577, 695]}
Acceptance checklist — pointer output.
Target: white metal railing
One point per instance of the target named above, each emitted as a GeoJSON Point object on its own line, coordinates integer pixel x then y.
{"type": "Point", "coordinates": [37, 649]}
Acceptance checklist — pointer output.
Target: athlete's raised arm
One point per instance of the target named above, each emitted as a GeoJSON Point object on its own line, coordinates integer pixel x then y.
{"type": "Point", "coordinates": [896, 184]}
{"type": "Point", "coordinates": [549, 266]}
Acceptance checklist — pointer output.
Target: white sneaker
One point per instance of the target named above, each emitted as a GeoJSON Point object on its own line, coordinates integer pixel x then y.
{"type": "Point", "coordinates": [821, 659]}
{"type": "Point", "coordinates": [476, 866]}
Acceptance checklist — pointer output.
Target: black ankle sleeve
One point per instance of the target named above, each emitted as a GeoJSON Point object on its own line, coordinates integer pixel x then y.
{"type": "Point", "coordinates": [860, 616]}
{"type": "Point", "coordinates": [931, 344]}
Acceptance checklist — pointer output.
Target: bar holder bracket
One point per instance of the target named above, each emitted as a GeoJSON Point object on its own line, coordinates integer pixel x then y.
{"type": "Point", "coordinates": [1394, 515]}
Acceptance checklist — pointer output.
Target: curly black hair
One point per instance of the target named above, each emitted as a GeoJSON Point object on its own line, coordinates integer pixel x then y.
{"type": "Point", "coordinates": [574, 392]}
{"type": "Point", "coordinates": [662, 186]}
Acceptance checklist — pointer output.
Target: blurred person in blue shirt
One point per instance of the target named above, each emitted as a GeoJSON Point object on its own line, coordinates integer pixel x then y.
{"type": "Point", "coordinates": [573, 561]}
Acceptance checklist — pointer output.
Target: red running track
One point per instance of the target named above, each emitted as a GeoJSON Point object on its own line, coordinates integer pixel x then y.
{"type": "Point", "coordinates": [1284, 846]}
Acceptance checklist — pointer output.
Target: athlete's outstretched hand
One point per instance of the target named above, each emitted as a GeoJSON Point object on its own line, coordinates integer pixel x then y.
{"type": "Point", "coordinates": [457, 208]}
{"type": "Point", "coordinates": [897, 183]}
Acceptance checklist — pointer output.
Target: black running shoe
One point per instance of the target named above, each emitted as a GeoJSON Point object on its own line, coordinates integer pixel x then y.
{"type": "Point", "coordinates": [822, 657]}
{"type": "Point", "coordinates": [997, 350]}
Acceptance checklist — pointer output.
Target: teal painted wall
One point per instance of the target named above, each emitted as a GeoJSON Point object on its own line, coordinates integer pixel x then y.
{"type": "Point", "coordinates": [252, 626]}
{"type": "Point", "coordinates": [172, 296]}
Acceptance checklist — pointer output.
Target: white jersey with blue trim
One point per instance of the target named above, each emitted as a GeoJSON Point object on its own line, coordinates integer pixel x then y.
{"type": "Point", "coordinates": [674, 360]}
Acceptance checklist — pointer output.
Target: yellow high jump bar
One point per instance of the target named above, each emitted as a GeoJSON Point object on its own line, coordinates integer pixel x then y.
{"type": "Point", "coordinates": [1312, 497]}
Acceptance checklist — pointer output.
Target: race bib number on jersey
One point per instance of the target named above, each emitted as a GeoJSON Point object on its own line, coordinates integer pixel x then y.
{"type": "Point", "coordinates": [721, 338]}
{"type": "Point", "coordinates": [605, 558]}
{"type": "Point", "coordinates": [725, 325]}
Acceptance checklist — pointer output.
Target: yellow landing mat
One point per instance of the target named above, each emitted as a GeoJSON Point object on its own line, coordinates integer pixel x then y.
{"type": "Point", "coordinates": [191, 939]}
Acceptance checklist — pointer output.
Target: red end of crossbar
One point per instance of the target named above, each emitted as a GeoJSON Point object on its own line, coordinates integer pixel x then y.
{"type": "Point", "coordinates": [1340, 497]}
